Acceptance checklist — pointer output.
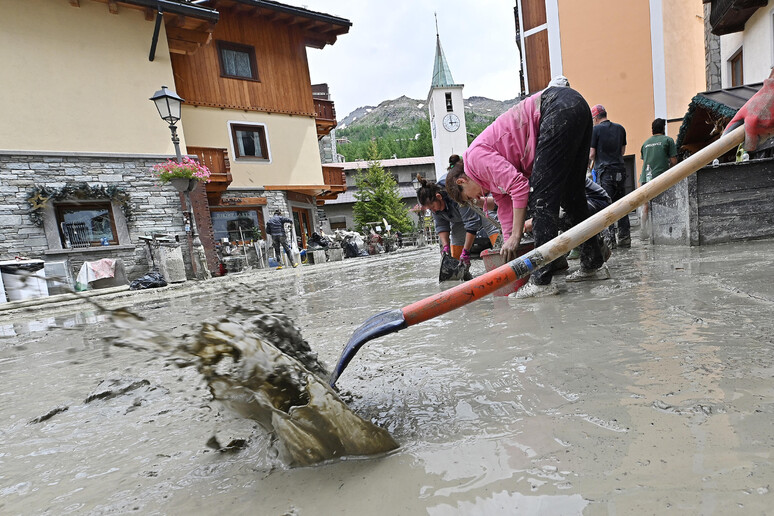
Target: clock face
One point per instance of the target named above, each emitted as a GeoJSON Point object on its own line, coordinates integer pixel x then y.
{"type": "Point", "coordinates": [451, 122]}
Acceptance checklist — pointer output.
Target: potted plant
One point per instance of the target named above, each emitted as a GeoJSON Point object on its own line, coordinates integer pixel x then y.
{"type": "Point", "coordinates": [184, 176]}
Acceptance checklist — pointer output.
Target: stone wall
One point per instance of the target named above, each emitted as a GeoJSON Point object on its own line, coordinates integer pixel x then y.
{"type": "Point", "coordinates": [711, 53]}
{"type": "Point", "coordinates": [154, 209]}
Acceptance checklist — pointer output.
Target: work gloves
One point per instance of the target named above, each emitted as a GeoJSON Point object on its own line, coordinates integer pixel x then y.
{"type": "Point", "coordinates": [465, 257]}
{"type": "Point", "coordinates": [445, 250]}
{"type": "Point", "coordinates": [757, 115]}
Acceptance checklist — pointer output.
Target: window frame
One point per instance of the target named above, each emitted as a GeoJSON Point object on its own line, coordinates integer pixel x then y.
{"type": "Point", "coordinates": [235, 209]}
{"type": "Point", "coordinates": [85, 205]}
{"type": "Point", "coordinates": [235, 126]}
{"type": "Point", "coordinates": [736, 56]}
{"type": "Point", "coordinates": [237, 47]}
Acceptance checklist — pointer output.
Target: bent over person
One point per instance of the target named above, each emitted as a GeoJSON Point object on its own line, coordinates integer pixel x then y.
{"type": "Point", "coordinates": [455, 224]}
{"type": "Point", "coordinates": [536, 153]}
{"type": "Point", "coordinates": [276, 228]}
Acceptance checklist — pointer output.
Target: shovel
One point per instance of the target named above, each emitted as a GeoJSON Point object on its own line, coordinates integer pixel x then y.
{"type": "Point", "coordinates": [395, 320]}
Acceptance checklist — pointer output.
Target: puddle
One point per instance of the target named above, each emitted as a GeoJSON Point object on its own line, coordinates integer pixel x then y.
{"type": "Point", "coordinates": [654, 392]}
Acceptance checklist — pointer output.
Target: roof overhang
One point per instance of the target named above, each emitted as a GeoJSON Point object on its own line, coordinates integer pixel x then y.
{"type": "Point", "coordinates": [319, 29]}
{"type": "Point", "coordinates": [708, 114]}
{"type": "Point", "coordinates": [176, 7]}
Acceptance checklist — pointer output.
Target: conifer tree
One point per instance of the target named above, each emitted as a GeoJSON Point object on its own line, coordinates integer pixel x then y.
{"type": "Point", "coordinates": [378, 197]}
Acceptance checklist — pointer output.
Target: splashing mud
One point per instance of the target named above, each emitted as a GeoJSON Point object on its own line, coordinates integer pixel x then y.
{"type": "Point", "coordinates": [261, 368]}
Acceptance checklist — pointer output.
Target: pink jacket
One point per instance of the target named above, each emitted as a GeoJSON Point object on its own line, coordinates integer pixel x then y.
{"type": "Point", "coordinates": [500, 159]}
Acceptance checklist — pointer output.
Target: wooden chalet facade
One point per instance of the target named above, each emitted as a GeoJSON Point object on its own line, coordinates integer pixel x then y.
{"type": "Point", "coordinates": [250, 113]}
{"type": "Point", "coordinates": [79, 135]}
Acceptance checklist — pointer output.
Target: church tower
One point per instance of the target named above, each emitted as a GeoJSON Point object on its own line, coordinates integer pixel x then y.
{"type": "Point", "coordinates": [447, 112]}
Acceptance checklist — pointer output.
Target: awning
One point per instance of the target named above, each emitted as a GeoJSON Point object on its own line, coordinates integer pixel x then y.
{"type": "Point", "coordinates": [709, 113]}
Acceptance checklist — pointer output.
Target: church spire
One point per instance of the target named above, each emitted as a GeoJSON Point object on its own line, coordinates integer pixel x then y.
{"type": "Point", "coordinates": [442, 76]}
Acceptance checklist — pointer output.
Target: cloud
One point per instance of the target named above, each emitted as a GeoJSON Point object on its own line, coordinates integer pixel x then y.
{"type": "Point", "coordinates": [390, 48]}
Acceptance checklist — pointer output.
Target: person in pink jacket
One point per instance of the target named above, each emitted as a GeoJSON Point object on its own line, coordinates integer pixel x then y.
{"type": "Point", "coordinates": [533, 155]}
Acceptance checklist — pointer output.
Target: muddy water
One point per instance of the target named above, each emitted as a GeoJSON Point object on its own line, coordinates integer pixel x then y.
{"type": "Point", "coordinates": [650, 392]}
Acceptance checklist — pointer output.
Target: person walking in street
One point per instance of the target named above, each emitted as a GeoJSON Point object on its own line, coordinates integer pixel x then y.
{"type": "Point", "coordinates": [535, 153]}
{"type": "Point", "coordinates": [608, 145]}
{"type": "Point", "coordinates": [455, 224]}
{"type": "Point", "coordinates": [276, 228]}
{"type": "Point", "coordinates": [658, 153]}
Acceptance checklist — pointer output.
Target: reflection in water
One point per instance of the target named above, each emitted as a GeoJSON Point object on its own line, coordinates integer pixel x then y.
{"type": "Point", "coordinates": [647, 393]}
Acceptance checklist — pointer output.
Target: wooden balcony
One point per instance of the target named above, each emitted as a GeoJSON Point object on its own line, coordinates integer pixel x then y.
{"type": "Point", "coordinates": [325, 116]}
{"type": "Point", "coordinates": [728, 16]}
{"type": "Point", "coordinates": [335, 181]}
{"type": "Point", "coordinates": [220, 170]}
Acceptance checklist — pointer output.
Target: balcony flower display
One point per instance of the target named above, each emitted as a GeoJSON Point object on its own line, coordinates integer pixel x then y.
{"type": "Point", "coordinates": [187, 169]}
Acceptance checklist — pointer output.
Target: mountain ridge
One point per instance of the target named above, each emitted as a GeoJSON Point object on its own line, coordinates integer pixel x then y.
{"type": "Point", "coordinates": [405, 111]}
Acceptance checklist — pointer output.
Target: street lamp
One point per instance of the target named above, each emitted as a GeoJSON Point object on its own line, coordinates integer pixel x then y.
{"type": "Point", "coordinates": [168, 103]}
{"type": "Point", "coordinates": [416, 183]}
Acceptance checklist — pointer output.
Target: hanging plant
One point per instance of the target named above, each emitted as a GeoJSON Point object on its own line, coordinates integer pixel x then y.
{"type": "Point", "coordinates": [39, 197]}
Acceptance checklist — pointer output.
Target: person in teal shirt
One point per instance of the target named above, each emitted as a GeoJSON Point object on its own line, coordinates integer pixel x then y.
{"type": "Point", "coordinates": [659, 152]}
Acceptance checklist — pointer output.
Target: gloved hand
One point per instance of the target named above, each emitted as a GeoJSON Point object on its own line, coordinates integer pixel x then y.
{"type": "Point", "coordinates": [445, 250]}
{"type": "Point", "coordinates": [465, 257]}
{"type": "Point", "coordinates": [757, 115]}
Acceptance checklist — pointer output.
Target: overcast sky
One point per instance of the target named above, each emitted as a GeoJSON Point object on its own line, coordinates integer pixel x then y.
{"type": "Point", "coordinates": [389, 49]}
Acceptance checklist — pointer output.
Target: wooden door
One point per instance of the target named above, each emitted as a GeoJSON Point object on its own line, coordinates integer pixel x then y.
{"type": "Point", "coordinates": [302, 220]}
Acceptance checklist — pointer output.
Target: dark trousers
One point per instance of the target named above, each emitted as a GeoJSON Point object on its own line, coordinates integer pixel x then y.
{"type": "Point", "coordinates": [615, 188]}
{"type": "Point", "coordinates": [559, 173]}
{"type": "Point", "coordinates": [283, 241]}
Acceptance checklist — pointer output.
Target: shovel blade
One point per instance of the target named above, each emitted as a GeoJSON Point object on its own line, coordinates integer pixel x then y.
{"type": "Point", "coordinates": [376, 326]}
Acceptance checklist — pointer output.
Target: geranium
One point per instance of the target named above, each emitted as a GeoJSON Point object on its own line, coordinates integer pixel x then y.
{"type": "Point", "coordinates": [187, 169]}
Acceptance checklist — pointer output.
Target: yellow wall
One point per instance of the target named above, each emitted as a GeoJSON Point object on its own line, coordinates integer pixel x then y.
{"type": "Point", "coordinates": [684, 55]}
{"type": "Point", "coordinates": [78, 79]}
{"type": "Point", "coordinates": [292, 140]}
{"type": "Point", "coordinates": [606, 55]}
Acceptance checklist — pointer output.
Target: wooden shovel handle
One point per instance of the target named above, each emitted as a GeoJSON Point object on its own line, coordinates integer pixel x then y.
{"type": "Point", "coordinates": [481, 286]}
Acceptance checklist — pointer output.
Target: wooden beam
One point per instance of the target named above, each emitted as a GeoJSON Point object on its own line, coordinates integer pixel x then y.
{"type": "Point", "coordinates": [195, 36]}
{"type": "Point", "coordinates": [113, 6]}
{"type": "Point", "coordinates": [75, 3]}
{"type": "Point", "coordinates": [177, 46]}
{"type": "Point", "coordinates": [150, 14]}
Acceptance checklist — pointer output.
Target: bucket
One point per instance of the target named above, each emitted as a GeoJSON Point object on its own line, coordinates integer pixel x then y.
{"type": "Point", "coordinates": [493, 260]}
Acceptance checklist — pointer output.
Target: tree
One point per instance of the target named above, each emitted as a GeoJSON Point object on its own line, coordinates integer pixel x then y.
{"type": "Point", "coordinates": [378, 197]}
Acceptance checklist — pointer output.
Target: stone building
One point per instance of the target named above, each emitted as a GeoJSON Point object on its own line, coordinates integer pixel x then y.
{"type": "Point", "coordinates": [79, 135]}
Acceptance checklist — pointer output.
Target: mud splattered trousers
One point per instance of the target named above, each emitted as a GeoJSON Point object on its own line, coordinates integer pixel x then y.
{"type": "Point", "coordinates": [559, 173]}
{"type": "Point", "coordinates": [281, 240]}
{"type": "Point", "coordinates": [612, 181]}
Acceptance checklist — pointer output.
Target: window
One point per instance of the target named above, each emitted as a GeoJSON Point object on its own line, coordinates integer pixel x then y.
{"type": "Point", "coordinates": [250, 141]}
{"type": "Point", "coordinates": [241, 225]}
{"type": "Point", "coordinates": [737, 70]}
{"type": "Point", "coordinates": [237, 61]}
{"type": "Point", "coordinates": [449, 106]}
{"type": "Point", "coordinates": [86, 224]}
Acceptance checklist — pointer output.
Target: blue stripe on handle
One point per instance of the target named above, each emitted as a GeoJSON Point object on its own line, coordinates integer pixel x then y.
{"type": "Point", "coordinates": [528, 264]}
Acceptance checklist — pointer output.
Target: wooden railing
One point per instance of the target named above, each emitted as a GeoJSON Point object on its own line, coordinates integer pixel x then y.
{"type": "Point", "coordinates": [333, 176]}
{"type": "Point", "coordinates": [216, 160]}
{"type": "Point", "coordinates": [324, 110]}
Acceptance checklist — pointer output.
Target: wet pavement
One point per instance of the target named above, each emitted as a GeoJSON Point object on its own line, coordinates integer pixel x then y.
{"type": "Point", "coordinates": [646, 393]}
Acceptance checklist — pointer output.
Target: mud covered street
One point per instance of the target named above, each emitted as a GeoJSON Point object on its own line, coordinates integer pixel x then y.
{"type": "Point", "coordinates": [649, 392]}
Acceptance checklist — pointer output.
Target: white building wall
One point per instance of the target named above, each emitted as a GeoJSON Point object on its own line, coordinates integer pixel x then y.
{"type": "Point", "coordinates": [446, 143]}
{"type": "Point", "coordinates": [757, 43]}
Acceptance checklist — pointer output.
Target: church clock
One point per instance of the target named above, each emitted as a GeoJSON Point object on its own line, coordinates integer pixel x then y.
{"type": "Point", "coordinates": [451, 122]}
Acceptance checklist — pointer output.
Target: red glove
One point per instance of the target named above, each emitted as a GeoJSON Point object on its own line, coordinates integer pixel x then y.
{"type": "Point", "coordinates": [445, 250]}
{"type": "Point", "coordinates": [465, 257]}
{"type": "Point", "coordinates": [757, 115]}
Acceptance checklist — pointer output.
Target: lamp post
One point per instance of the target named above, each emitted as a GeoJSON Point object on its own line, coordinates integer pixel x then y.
{"type": "Point", "coordinates": [168, 103]}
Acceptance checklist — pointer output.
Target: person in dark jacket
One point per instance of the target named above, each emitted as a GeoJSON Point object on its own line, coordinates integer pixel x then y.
{"type": "Point", "coordinates": [275, 226]}
{"type": "Point", "coordinates": [456, 224]}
